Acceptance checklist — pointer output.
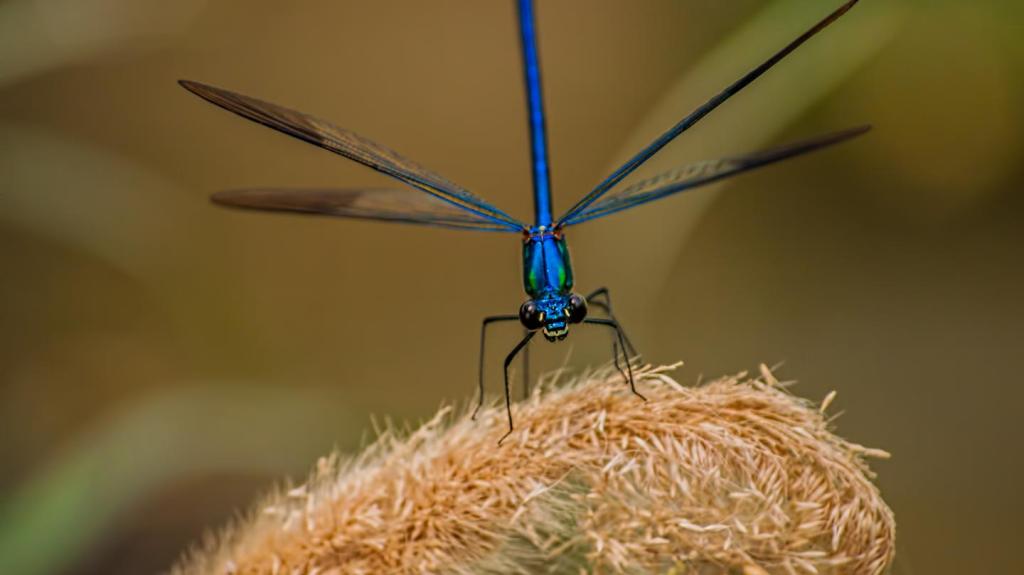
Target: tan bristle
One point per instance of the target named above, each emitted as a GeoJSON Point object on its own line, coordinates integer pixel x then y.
{"type": "Point", "coordinates": [733, 476]}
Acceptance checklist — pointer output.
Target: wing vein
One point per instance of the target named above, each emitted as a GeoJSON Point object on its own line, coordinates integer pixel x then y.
{"type": "Point", "coordinates": [353, 146]}
{"type": "Point", "coordinates": [690, 120]}
{"type": "Point", "coordinates": [702, 173]}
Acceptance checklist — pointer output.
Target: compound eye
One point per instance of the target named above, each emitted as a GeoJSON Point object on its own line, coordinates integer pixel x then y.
{"type": "Point", "coordinates": [577, 308]}
{"type": "Point", "coordinates": [531, 316]}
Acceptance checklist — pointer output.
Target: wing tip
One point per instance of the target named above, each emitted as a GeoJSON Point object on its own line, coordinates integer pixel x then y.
{"type": "Point", "coordinates": [845, 8]}
{"type": "Point", "coordinates": [204, 91]}
{"type": "Point", "coordinates": [190, 85]}
{"type": "Point", "coordinates": [227, 198]}
{"type": "Point", "coordinates": [820, 142]}
{"type": "Point", "coordinates": [853, 132]}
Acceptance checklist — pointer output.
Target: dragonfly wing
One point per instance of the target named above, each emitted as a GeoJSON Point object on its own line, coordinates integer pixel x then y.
{"type": "Point", "coordinates": [690, 120]}
{"type": "Point", "coordinates": [694, 175]}
{"type": "Point", "coordinates": [408, 206]}
{"type": "Point", "coordinates": [351, 145]}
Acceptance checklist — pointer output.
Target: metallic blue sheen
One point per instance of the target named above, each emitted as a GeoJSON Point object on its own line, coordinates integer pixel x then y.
{"type": "Point", "coordinates": [547, 279]}
{"type": "Point", "coordinates": [697, 115]}
{"type": "Point", "coordinates": [535, 103]}
{"type": "Point", "coordinates": [546, 265]}
{"type": "Point", "coordinates": [430, 199]}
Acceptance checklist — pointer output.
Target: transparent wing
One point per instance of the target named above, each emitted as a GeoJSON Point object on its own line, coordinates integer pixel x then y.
{"type": "Point", "coordinates": [695, 116]}
{"type": "Point", "coordinates": [694, 175]}
{"type": "Point", "coordinates": [408, 206]}
{"type": "Point", "coordinates": [353, 146]}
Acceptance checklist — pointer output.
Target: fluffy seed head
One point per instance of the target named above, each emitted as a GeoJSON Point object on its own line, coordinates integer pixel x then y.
{"type": "Point", "coordinates": [736, 475]}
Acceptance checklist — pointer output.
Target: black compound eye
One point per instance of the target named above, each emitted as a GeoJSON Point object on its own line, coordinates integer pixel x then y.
{"type": "Point", "coordinates": [577, 308]}
{"type": "Point", "coordinates": [530, 315]}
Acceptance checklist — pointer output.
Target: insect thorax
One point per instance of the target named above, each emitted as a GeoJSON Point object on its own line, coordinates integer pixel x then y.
{"type": "Point", "coordinates": [546, 266]}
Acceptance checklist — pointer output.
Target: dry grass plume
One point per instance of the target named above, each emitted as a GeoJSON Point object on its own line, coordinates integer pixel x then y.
{"type": "Point", "coordinates": [734, 476]}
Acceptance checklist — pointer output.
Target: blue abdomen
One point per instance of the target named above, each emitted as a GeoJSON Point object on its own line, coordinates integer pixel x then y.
{"type": "Point", "coordinates": [546, 266]}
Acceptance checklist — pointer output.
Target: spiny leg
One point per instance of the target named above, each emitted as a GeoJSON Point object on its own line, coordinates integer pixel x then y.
{"type": "Point", "coordinates": [526, 369]}
{"type": "Point", "coordinates": [629, 368]}
{"type": "Point", "coordinates": [615, 339]}
{"type": "Point", "coordinates": [615, 348]}
{"type": "Point", "coordinates": [508, 396]}
{"type": "Point", "coordinates": [606, 306]}
{"type": "Point", "coordinates": [483, 338]}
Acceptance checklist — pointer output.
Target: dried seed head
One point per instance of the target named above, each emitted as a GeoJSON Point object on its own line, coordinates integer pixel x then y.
{"type": "Point", "coordinates": [736, 475]}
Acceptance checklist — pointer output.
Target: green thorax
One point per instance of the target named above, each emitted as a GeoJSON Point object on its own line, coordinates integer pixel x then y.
{"type": "Point", "coordinates": [546, 265]}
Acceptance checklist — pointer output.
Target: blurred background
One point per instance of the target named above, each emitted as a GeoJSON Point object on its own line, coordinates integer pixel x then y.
{"type": "Point", "coordinates": [163, 361]}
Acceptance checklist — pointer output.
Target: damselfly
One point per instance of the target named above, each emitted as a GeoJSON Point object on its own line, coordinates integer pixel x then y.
{"type": "Point", "coordinates": [429, 199]}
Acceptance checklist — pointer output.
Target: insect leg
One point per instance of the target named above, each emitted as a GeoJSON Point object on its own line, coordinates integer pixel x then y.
{"type": "Point", "coordinates": [606, 306]}
{"type": "Point", "coordinates": [618, 332]}
{"type": "Point", "coordinates": [483, 338]}
{"type": "Point", "coordinates": [526, 369]}
{"type": "Point", "coordinates": [508, 398]}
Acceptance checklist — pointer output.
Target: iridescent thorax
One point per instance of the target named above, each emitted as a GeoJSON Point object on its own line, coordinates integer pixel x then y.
{"type": "Point", "coordinates": [547, 279]}
{"type": "Point", "coordinates": [546, 266]}
{"type": "Point", "coordinates": [429, 199]}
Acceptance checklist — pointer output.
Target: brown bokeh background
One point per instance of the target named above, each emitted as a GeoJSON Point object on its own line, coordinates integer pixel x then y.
{"type": "Point", "coordinates": [163, 361]}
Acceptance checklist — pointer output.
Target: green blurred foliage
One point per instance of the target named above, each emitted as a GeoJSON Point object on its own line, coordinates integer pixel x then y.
{"type": "Point", "coordinates": [164, 362]}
